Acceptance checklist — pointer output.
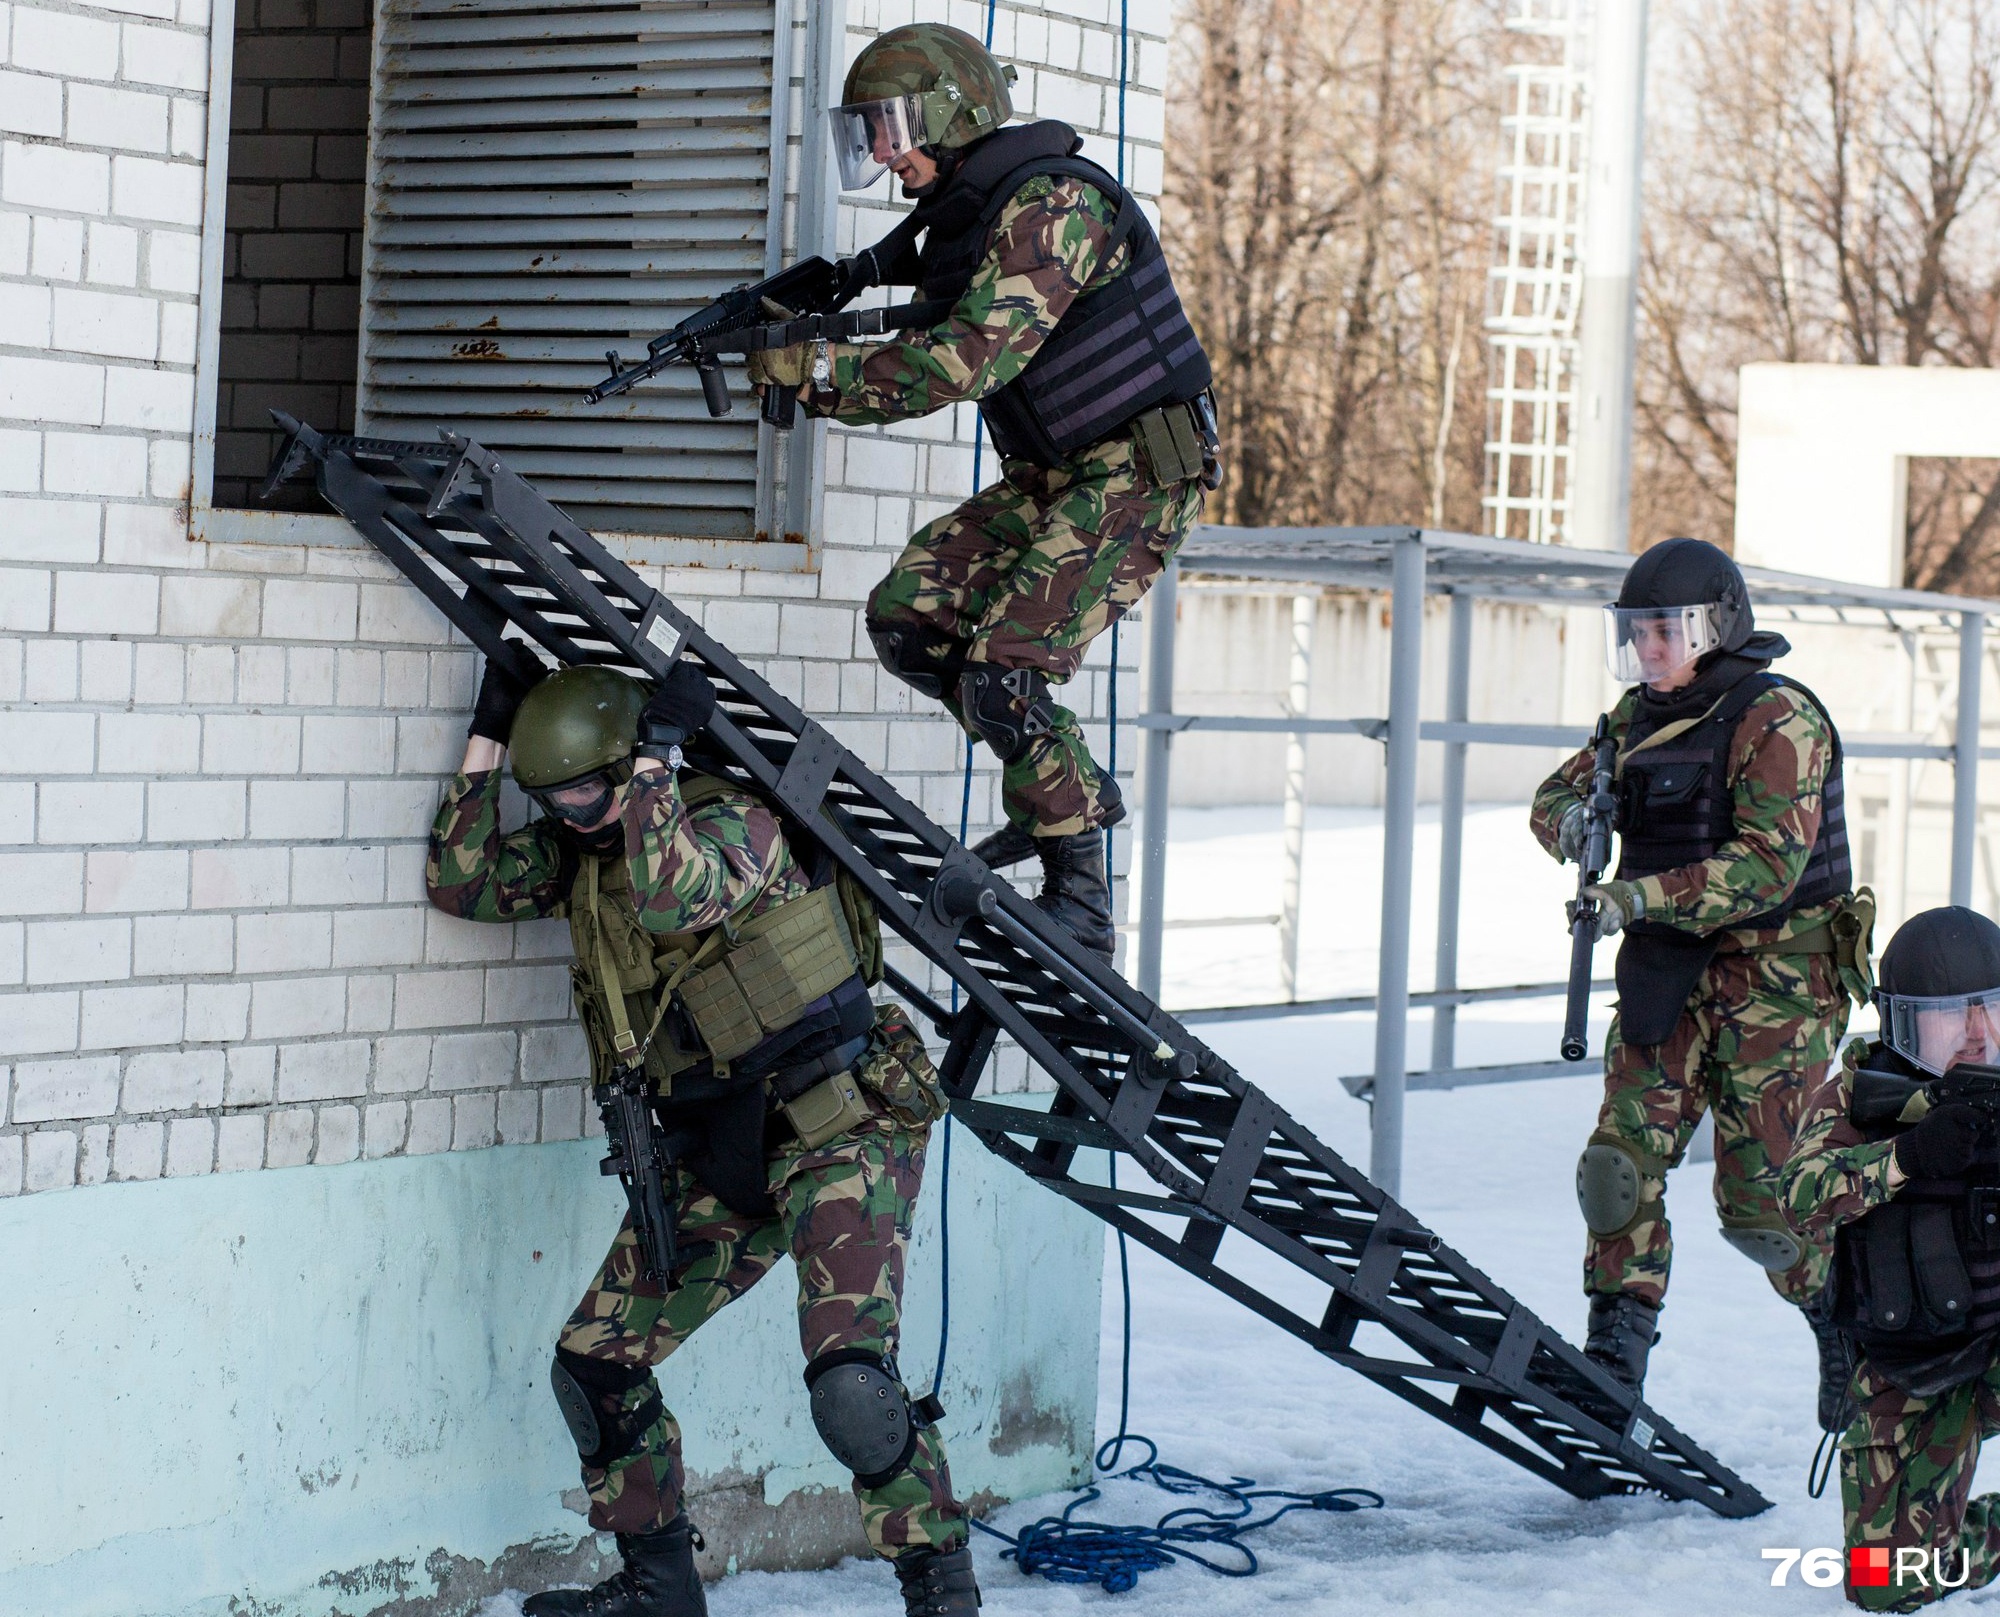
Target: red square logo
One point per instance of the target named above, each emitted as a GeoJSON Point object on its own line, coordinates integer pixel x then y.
{"type": "Point", "coordinates": [1868, 1569]}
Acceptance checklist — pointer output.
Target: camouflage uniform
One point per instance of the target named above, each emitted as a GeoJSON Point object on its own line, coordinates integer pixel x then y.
{"type": "Point", "coordinates": [1906, 1463]}
{"type": "Point", "coordinates": [1760, 1025]}
{"type": "Point", "coordinates": [843, 1209]}
{"type": "Point", "coordinates": [1029, 571]}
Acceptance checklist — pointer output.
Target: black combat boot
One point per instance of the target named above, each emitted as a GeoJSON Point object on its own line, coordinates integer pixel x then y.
{"type": "Point", "coordinates": [1836, 1363]}
{"type": "Point", "coordinates": [1007, 846]}
{"type": "Point", "coordinates": [1076, 893]}
{"type": "Point", "coordinates": [1623, 1330]}
{"type": "Point", "coordinates": [937, 1583]}
{"type": "Point", "coordinates": [657, 1580]}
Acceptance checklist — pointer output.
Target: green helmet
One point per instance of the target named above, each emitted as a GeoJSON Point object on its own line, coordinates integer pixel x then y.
{"type": "Point", "coordinates": [574, 723]}
{"type": "Point", "coordinates": [923, 84]}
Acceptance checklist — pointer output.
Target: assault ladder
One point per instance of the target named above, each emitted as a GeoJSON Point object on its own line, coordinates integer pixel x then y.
{"type": "Point", "coordinates": [1203, 1154]}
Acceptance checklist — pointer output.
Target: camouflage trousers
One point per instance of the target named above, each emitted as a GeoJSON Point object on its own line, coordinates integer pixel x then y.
{"type": "Point", "coordinates": [844, 1214]}
{"type": "Point", "coordinates": [1757, 1031]}
{"type": "Point", "coordinates": [1906, 1466]}
{"type": "Point", "coordinates": [1026, 574]}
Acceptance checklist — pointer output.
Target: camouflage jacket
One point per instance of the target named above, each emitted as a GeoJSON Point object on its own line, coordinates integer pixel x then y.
{"type": "Point", "coordinates": [691, 869]}
{"type": "Point", "coordinates": [1778, 764]}
{"type": "Point", "coordinates": [1834, 1174]}
{"type": "Point", "coordinates": [1044, 251]}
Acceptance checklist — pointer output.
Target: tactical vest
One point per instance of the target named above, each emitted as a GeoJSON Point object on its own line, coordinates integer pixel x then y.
{"type": "Point", "coordinates": [730, 1005]}
{"type": "Point", "coordinates": [1677, 809]}
{"type": "Point", "coordinates": [1917, 1279]}
{"type": "Point", "coordinates": [1125, 346]}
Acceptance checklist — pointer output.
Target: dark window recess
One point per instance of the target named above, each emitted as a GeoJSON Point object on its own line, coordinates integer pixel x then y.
{"type": "Point", "coordinates": [292, 238]}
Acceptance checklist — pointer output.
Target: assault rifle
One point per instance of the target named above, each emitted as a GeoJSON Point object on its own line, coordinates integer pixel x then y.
{"type": "Point", "coordinates": [802, 304]}
{"type": "Point", "coordinates": [1599, 808]}
{"type": "Point", "coordinates": [640, 1155]}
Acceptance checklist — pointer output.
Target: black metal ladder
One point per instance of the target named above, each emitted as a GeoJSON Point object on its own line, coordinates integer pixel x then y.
{"type": "Point", "coordinates": [1204, 1156]}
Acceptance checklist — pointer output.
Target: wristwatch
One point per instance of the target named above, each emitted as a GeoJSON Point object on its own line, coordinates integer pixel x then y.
{"type": "Point", "coordinates": [822, 363]}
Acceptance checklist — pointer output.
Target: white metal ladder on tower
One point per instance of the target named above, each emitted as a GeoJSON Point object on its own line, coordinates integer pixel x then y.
{"type": "Point", "coordinates": [1536, 281]}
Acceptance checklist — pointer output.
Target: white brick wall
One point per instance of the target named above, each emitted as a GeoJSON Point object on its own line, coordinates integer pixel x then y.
{"type": "Point", "coordinates": [218, 762]}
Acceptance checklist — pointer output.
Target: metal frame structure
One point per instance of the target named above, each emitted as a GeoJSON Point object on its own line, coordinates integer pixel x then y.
{"type": "Point", "coordinates": [1206, 1166]}
{"type": "Point", "coordinates": [1410, 563]}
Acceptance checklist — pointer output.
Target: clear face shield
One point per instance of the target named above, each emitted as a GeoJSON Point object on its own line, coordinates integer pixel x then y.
{"type": "Point", "coordinates": [870, 135]}
{"type": "Point", "coordinates": [1938, 1034]}
{"type": "Point", "coordinates": [1646, 644]}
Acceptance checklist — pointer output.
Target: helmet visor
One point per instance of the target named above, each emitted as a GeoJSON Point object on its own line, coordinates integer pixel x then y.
{"type": "Point", "coordinates": [585, 801]}
{"type": "Point", "coordinates": [1939, 1033]}
{"type": "Point", "coordinates": [1652, 643]}
{"type": "Point", "coordinates": [870, 135]}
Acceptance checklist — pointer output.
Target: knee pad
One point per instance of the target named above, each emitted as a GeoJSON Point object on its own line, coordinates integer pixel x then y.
{"type": "Point", "coordinates": [1608, 1182]}
{"type": "Point", "coordinates": [583, 1386]}
{"type": "Point", "coordinates": [1767, 1241]}
{"type": "Point", "coordinates": [863, 1413]}
{"type": "Point", "coordinates": [921, 657]}
{"type": "Point", "coordinates": [1009, 707]}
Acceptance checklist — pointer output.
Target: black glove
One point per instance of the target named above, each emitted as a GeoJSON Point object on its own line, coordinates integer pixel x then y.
{"type": "Point", "coordinates": [494, 707]}
{"type": "Point", "coordinates": [1942, 1143]}
{"type": "Point", "coordinates": [680, 705]}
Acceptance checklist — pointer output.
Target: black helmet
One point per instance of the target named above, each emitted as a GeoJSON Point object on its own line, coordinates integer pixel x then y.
{"type": "Point", "coordinates": [1681, 600]}
{"type": "Point", "coordinates": [1938, 989]}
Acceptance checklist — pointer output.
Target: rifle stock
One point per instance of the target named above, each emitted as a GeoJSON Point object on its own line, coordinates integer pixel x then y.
{"type": "Point", "coordinates": [1599, 809]}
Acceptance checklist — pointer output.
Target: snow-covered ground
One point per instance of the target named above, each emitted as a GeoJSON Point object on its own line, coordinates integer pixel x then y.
{"type": "Point", "coordinates": [1491, 1169]}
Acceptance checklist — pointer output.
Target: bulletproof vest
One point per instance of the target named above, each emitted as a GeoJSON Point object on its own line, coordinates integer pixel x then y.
{"type": "Point", "coordinates": [734, 1003]}
{"type": "Point", "coordinates": [1917, 1279]}
{"type": "Point", "coordinates": [1675, 809]}
{"type": "Point", "coordinates": [1125, 346]}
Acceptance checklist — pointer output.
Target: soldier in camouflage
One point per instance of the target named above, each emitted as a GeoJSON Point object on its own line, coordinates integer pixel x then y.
{"type": "Point", "coordinates": [1050, 305]}
{"type": "Point", "coordinates": [810, 1141]}
{"type": "Point", "coordinates": [1742, 940]}
{"type": "Point", "coordinates": [1897, 1168]}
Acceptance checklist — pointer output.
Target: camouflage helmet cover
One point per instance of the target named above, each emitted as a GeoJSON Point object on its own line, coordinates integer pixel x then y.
{"type": "Point", "coordinates": [961, 89]}
{"type": "Point", "coordinates": [573, 723]}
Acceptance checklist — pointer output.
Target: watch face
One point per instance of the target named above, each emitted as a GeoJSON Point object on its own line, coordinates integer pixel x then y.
{"type": "Point", "coordinates": [673, 757]}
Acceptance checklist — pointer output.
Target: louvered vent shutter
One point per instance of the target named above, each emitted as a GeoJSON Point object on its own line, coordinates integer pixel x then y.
{"type": "Point", "coordinates": [547, 181]}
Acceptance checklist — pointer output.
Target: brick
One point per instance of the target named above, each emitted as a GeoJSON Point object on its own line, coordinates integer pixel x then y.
{"type": "Point", "coordinates": [429, 746]}
{"type": "Point", "coordinates": [127, 119]}
{"type": "Point", "coordinates": [340, 875]}
{"type": "Point", "coordinates": [159, 674]}
{"type": "Point", "coordinates": [93, 1163]}
{"type": "Point", "coordinates": [396, 615]}
{"type": "Point", "coordinates": [169, 472]}
{"type": "Point", "coordinates": [447, 939]}
{"type": "Point", "coordinates": [297, 1007]}
{"type": "Point", "coordinates": [472, 1122]}
{"type": "Point", "coordinates": [17, 812]}
{"type": "Point", "coordinates": [239, 1144]}
{"type": "Point", "coordinates": [195, 810]}
{"type": "Point", "coordinates": [207, 605]}
{"type": "Point", "coordinates": [384, 1124]}
{"type": "Point", "coordinates": [119, 1018]}
{"type": "Point", "coordinates": [24, 319]}
{"type": "Point", "coordinates": [402, 1064]}
{"type": "Point", "coordinates": [472, 1061]}
{"type": "Point", "coordinates": [310, 675]}
{"type": "Point", "coordinates": [42, 1024]}
{"type": "Point", "coordinates": [286, 940]}
{"type": "Point", "coordinates": [162, 56]}
{"type": "Point", "coordinates": [42, 883]}
{"type": "Point", "coordinates": [239, 878]}
{"type": "Point", "coordinates": [105, 671]}
{"type": "Point", "coordinates": [339, 1135]}
{"type": "Point", "coordinates": [190, 1147]}
{"type": "Point", "coordinates": [51, 1161]}
{"type": "Point", "coordinates": [113, 323]}
{"type": "Point", "coordinates": [10, 1165]}
{"type": "Point", "coordinates": [149, 744]}
{"type": "Point", "coordinates": [554, 1052]}
{"type": "Point", "coordinates": [112, 256]}
{"type": "Point", "coordinates": [158, 401]}
{"type": "Point", "coordinates": [173, 1081]}
{"type": "Point", "coordinates": [137, 1149]}
{"type": "Point", "coordinates": [355, 746]}
{"type": "Point", "coordinates": [527, 994]}
{"type": "Point", "coordinates": [59, 249]}
{"type": "Point", "coordinates": [46, 390]}
{"type": "Point", "coordinates": [749, 628]}
{"type": "Point", "coordinates": [179, 334]}
{"type": "Point", "coordinates": [173, 261]}
{"type": "Point", "coordinates": [153, 881]}
{"type": "Point", "coordinates": [20, 455]}
{"type": "Point", "coordinates": [46, 1091]}
{"type": "Point", "coordinates": [289, 1143]}
{"type": "Point", "coordinates": [323, 1070]}
{"type": "Point", "coordinates": [296, 811]}
{"type": "Point", "coordinates": [253, 1075]}
{"type": "Point", "coordinates": [562, 1112]}
{"type": "Point", "coordinates": [430, 1127]}
{"type": "Point", "coordinates": [101, 603]}
{"type": "Point", "coordinates": [16, 231]}
{"type": "Point", "coordinates": [520, 1115]}
{"type": "Point", "coordinates": [438, 998]}
{"type": "Point", "coordinates": [31, 105]}
{"type": "Point", "coordinates": [150, 535]}
{"type": "Point", "coordinates": [79, 951]}
{"type": "Point", "coordinates": [92, 811]}
{"type": "Point", "coordinates": [62, 42]}
{"type": "Point", "coordinates": [217, 1013]}
{"type": "Point", "coordinates": [24, 604]}
{"type": "Point", "coordinates": [307, 610]}
{"type": "Point", "coordinates": [249, 743]}
{"type": "Point", "coordinates": [391, 808]}
{"type": "Point", "coordinates": [94, 463]}
{"type": "Point", "coordinates": [182, 945]}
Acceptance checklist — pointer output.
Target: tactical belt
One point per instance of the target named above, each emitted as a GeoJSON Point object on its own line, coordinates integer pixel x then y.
{"type": "Point", "coordinates": [1815, 940]}
{"type": "Point", "coordinates": [1176, 441]}
{"type": "Point", "coordinates": [789, 1083]}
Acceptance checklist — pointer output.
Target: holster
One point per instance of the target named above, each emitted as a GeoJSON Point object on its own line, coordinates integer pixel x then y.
{"type": "Point", "coordinates": [1656, 972]}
